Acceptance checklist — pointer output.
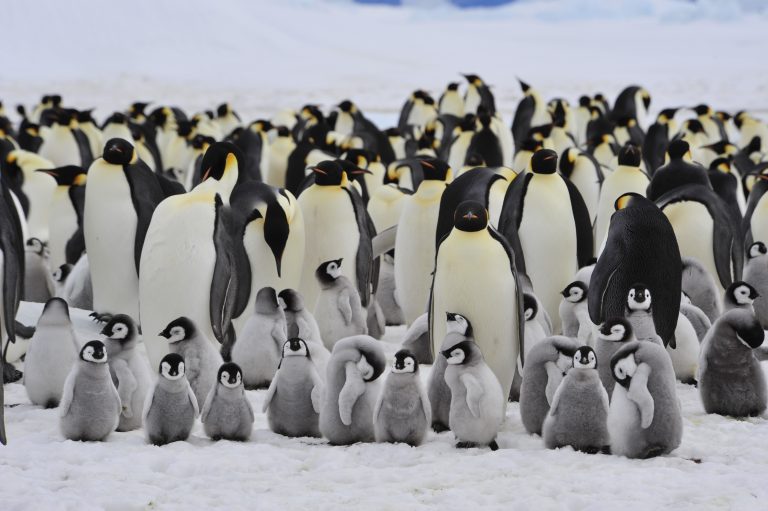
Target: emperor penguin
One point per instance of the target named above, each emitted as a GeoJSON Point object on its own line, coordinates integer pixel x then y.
{"type": "Point", "coordinates": [51, 354]}
{"type": "Point", "coordinates": [301, 321]}
{"type": "Point", "coordinates": [475, 276]}
{"type": "Point", "coordinates": [122, 191]}
{"type": "Point", "coordinates": [351, 390]}
{"type": "Point", "coordinates": [478, 94]}
{"type": "Point", "coordinates": [171, 407]}
{"type": "Point", "coordinates": [731, 379]}
{"type": "Point", "coordinates": [639, 312]}
{"type": "Point", "coordinates": [632, 102]}
{"type": "Point", "coordinates": [740, 295]}
{"type": "Point", "coordinates": [645, 417]}
{"type": "Point", "coordinates": [414, 242]}
{"type": "Point", "coordinates": [87, 125]}
{"type": "Point", "coordinates": [477, 399]}
{"type": "Point", "coordinates": [531, 111]}
{"type": "Point", "coordinates": [76, 289]}
{"type": "Point", "coordinates": [627, 178]}
{"type": "Point", "coordinates": [201, 359]}
{"type": "Point", "coordinates": [336, 225]}
{"type": "Point", "coordinates": [294, 397]}
{"type": "Point", "coordinates": [129, 369]}
{"type": "Point", "coordinates": [257, 349]}
{"type": "Point", "coordinates": [65, 214]}
{"type": "Point", "coordinates": [63, 142]}
{"type": "Point", "coordinates": [756, 274]}
{"type": "Point", "coordinates": [657, 139]}
{"type": "Point", "coordinates": [547, 363]}
{"type": "Point", "coordinates": [583, 170]}
{"type": "Point", "coordinates": [680, 171]}
{"type": "Point", "coordinates": [579, 412]}
{"type": "Point", "coordinates": [227, 118]}
{"type": "Point", "coordinates": [116, 126]}
{"type": "Point", "coordinates": [574, 316]}
{"type": "Point", "coordinates": [339, 312]}
{"type": "Point", "coordinates": [640, 247]}
{"type": "Point", "coordinates": [611, 336]}
{"type": "Point", "coordinates": [38, 284]}
{"type": "Point", "coordinates": [37, 187]}
{"type": "Point", "coordinates": [279, 150]}
{"type": "Point", "coordinates": [402, 412]}
{"type": "Point", "coordinates": [551, 251]}
{"type": "Point", "coordinates": [451, 101]}
{"type": "Point", "coordinates": [457, 329]}
{"type": "Point", "coordinates": [90, 405]}
{"type": "Point", "coordinates": [227, 414]}
{"type": "Point", "coordinates": [700, 288]}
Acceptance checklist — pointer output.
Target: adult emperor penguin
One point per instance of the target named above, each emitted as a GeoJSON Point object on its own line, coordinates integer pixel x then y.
{"type": "Point", "coordinates": [583, 170]}
{"type": "Point", "coordinates": [612, 335]}
{"type": "Point", "coordinates": [475, 276]}
{"type": "Point", "coordinates": [227, 414]}
{"type": "Point", "coordinates": [680, 171]}
{"type": "Point", "coordinates": [90, 405]}
{"type": "Point", "coordinates": [336, 225]}
{"type": "Point", "coordinates": [64, 143]}
{"type": "Point", "coordinates": [279, 151]}
{"type": "Point", "coordinates": [414, 243]}
{"type": "Point", "coordinates": [52, 351]}
{"type": "Point", "coordinates": [65, 214]}
{"type": "Point", "coordinates": [627, 178]}
{"type": "Point", "coordinates": [640, 247]}
{"type": "Point", "coordinates": [731, 380]}
{"type": "Point", "coordinates": [547, 214]}
{"type": "Point", "coordinates": [451, 101]}
{"type": "Point", "coordinates": [351, 390]}
{"type": "Point", "coordinates": [531, 111]}
{"type": "Point", "coordinates": [657, 139]}
{"type": "Point", "coordinates": [756, 274]}
{"type": "Point", "coordinates": [37, 187]}
{"type": "Point", "coordinates": [645, 419]}
{"type": "Point", "coordinates": [631, 103]}
{"type": "Point", "coordinates": [171, 407]}
{"type": "Point", "coordinates": [478, 95]}
{"type": "Point", "coordinates": [122, 191]}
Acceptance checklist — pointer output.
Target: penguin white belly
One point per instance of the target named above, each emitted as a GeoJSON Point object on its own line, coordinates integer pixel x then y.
{"type": "Point", "coordinates": [22, 217]}
{"type": "Point", "coordinates": [496, 200]}
{"type": "Point", "coordinates": [585, 180]}
{"type": "Point", "coordinates": [759, 221]}
{"type": "Point", "coordinates": [685, 355]}
{"type": "Point", "coordinates": [39, 189]}
{"type": "Point", "coordinates": [177, 265]}
{"type": "Point", "coordinates": [615, 184]}
{"type": "Point", "coordinates": [548, 239]}
{"type": "Point", "coordinates": [471, 101]}
{"type": "Point", "coordinates": [694, 229]}
{"type": "Point", "coordinates": [95, 141]}
{"type": "Point", "coordinates": [278, 162]}
{"type": "Point", "coordinates": [458, 151]}
{"type": "Point", "coordinates": [331, 232]}
{"type": "Point", "coordinates": [415, 252]}
{"type": "Point", "coordinates": [59, 147]}
{"type": "Point", "coordinates": [604, 155]}
{"type": "Point", "coordinates": [385, 207]}
{"type": "Point", "coordinates": [344, 124]}
{"type": "Point", "coordinates": [473, 278]}
{"type": "Point", "coordinates": [504, 135]}
{"type": "Point", "coordinates": [623, 422]}
{"type": "Point", "coordinates": [109, 226]}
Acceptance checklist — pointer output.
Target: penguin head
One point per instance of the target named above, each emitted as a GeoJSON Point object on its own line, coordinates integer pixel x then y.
{"type": "Point", "coordinates": [470, 216]}
{"type": "Point", "coordinates": [741, 293]}
{"type": "Point", "coordinates": [347, 106]}
{"type": "Point", "coordinates": [456, 323]}
{"type": "Point", "coordinates": [678, 149]}
{"type": "Point", "coordinates": [473, 79]}
{"type": "Point", "coordinates": [757, 249]}
{"type": "Point", "coordinates": [266, 301]}
{"type": "Point", "coordinates": [720, 165]}
{"type": "Point", "coordinates": [585, 358]}
{"type": "Point", "coordinates": [291, 300]}
{"type": "Point", "coordinates": [367, 371]}
{"type": "Point", "coordinates": [453, 86]}
{"type": "Point", "coordinates": [180, 329]}
{"type": "Point", "coordinates": [56, 309]}
{"type": "Point", "coordinates": [328, 173]}
{"type": "Point", "coordinates": [230, 375]}
{"type": "Point", "coordinates": [436, 169]}
{"type": "Point", "coordinates": [575, 292]}
{"type": "Point", "coordinates": [530, 307]}
{"type": "Point", "coordinates": [615, 330]}
{"type": "Point", "coordinates": [329, 271]}
{"type": "Point", "coordinates": [35, 246]}
{"type": "Point", "coordinates": [221, 159]}
{"type": "Point", "coordinates": [61, 273]}
{"type": "Point", "coordinates": [624, 367]}
{"type": "Point", "coordinates": [172, 366]}
{"type": "Point", "coordinates": [68, 175]}
{"type": "Point", "coordinates": [702, 110]}
{"type": "Point", "coordinates": [544, 161]}
{"type": "Point", "coordinates": [118, 151]}
{"type": "Point", "coordinates": [405, 362]}
{"type": "Point", "coordinates": [463, 353]}
{"type": "Point", "coordinates": [666, 115]}
{"type": "Point", "coordinates": [94, 352]}
{"type": "Point", "coordinates": [121, 327]}
{"type": "Point", "coordinates": [295, 347]}
{"type": "Point", "coordinates": [639, 298]}
{"type": "Point", "coordinates": [630, 155]}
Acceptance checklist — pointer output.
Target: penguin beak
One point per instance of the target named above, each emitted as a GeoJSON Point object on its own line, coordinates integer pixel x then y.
{"type": "Point", "coordinates": [276, 232]}
{"type": "Point", "coordinates": [317, 170]}
{"type": "Point", "coordinates": [359, 171]}
{"type": "Point", "coordinates": [470, 216]}
{"type": "Point", "coordinates": [165, 334]}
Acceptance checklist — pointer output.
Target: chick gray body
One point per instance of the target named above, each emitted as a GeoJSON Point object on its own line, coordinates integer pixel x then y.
{"type": "Point", "coordinates": [171, 407]}
{"type": "Point", "coordinates": [402, 413]}
{"type": "Point", "coordinates": [227, 414]}
{"type": "Point", "coordinates": [338, 311]}
{"type": "Point", "coordinates": [201, 359]}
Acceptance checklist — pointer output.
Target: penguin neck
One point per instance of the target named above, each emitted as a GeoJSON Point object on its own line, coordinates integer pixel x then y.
{"type": "Point", "coordinates": [91, 370]}
{"type": "Point", "coordinates": [627, 169]}
{"type": "Point", "coordinates": [229, 394]}
{"type": "Point", "coordinates": [173, 386]}
{"type": "Point", "coordinates": [430, 190]}
{"type": "Point", "coordinates": [467, 235]}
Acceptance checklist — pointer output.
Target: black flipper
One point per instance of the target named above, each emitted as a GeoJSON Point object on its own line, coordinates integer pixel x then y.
{"type": "Point", "coordinates": [224, 283]}
{"type": "Point", "coordinates": [583, 224]}
{"type": "Point", "coordinates": [367, 268]}
{"type": "Point", "coordinates": [521, 123]}
{"type": "Point", "coordinates": [512, 215]}
{"type": "Point", "coordinates": [84, 147]}
{"type": "Point", "coordinates": [146, 194]}
{"type": "Point", "coordinates": [518, 284]}
{"type": "Point", "coordinates": [75, 246]}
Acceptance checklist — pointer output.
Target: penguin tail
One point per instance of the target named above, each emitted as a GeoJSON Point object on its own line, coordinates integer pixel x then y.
{"type": "Point", "coordinates": [494, 446]}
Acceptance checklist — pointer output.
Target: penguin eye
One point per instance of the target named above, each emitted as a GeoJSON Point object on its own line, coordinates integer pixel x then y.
{"type": "Point", "coordinates": [632, 294]}
{"type": "Point", "coordinates": [647, 294]}
{"type": "Point", "coordinates": [57, 275]}
{"type": "Point", "coordinates": [177, 331]}
{"type": "Point", "coordinates": [456, 353]}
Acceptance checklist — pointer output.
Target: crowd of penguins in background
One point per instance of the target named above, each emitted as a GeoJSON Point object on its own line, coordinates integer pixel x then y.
{"type": "Point", "coordinates": [578, 263]}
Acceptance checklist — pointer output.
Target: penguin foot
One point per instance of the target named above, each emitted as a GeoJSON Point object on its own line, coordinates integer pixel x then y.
{"type": "Point", "coordinates": [466, 445]}
{"type": "Point", "coordinates": [439, 427]}
{"type": "Point", "coordinates": [654, 451]}
{"type": "Point", "coordinates": [10, 373]}
{"type": "Point", "coordinates": [493, 446]}
{"type": "Point", "coordinates": [24, 331]}
{"type": "Point", "coordinates": [101, 317]}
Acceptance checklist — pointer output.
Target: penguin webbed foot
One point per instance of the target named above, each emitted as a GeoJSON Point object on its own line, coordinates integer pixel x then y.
{"type": "Point", "coordinates": [10, 373]}
{"type": "Point", "coordinates": [654, 451]}
{"type": "Point", "coordinates": [23, 330]}
{"type": "Point", "coordinates": [465, 445]}
{"type": "Point", "coordinates": [439, 427]}
{"type": "Point", "coordinates": [493, 446]}
{"type": "Point", "coordinates": [101, 317]}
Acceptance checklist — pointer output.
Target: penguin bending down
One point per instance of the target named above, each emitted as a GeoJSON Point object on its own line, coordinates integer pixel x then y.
{"type": "Point", "coordinates": [227, 414]}
{"type": "Point", "coordinates": [90, 406]}
{"type": "Point", "coordinates": [171, 407]}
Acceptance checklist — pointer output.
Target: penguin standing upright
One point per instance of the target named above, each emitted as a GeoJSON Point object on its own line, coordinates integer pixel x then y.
{"type": "Point", "coordinates": [279, 151]}
{"type": "Point", "coordinates": [66, 215]}
{"type": "Point", "coordinates": [531, 111]}
{"type": "Point", "coordinates": [37, 187]}
{"type": "Point", "coordinates": [475, 276]}
{"type": "Point", "coordinates": [657, 139]}
{"type": "Point", "coordinates": [338, 308]}
{"type": "Point", "coordinates": [227, 414]}
{"type": "Point", "coordinates": [756, 274]}
{"type": "Point", "coordinates": [583, 170]}
{"type": "Point", "coordinates": [478, 95]}
{"type": "Point", "coordinates": [64, 143]}
{"type": "Point", "coordinates": [547, 214]}
{"type": "Point", "coordinates": [451, 101]}
{"type": "Point", "coordinates": [301, 321]}
{"type": "Point", "coordinates": [171, 407]}
{"type": "Point", "coordinates": [612, 335]}
{"type": "Point", "coordinates": [38, 285]}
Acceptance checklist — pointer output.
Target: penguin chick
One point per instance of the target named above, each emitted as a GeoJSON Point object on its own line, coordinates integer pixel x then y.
{"type": "Point", "coordinates": [579, 412]}
{"type": "Point", "coordinates": [51, 354]}
{"type": "Point", "coordinates": [731, 380]}
{"type": "Point", "coordinates": [402, 413]}
{"type": "Point", "coordinates": [293, 400]}
{"type": "Point", "coordinates": [171, 407]}
{"type": "Point", "coordinates": [477, 399]}
{"type": "Point", "coordinates": [756, 274]}
{"type": "Point", "coordinates": [257, 350]}
{"type": "Point", "coordinates": [644, 419]}
{"type": "Point", "coordinates": [739, 295]}
{"type": "Point", "coordinates": [417, 340]}
{"type": "Point", "coordinates": [534, 332]}
{"type": "Point", "coordinates": [297, 315]}
{"type": "Point", "coordinates": [638, 310]}
{"type": "Point", "coordinates": [546, 365]}
{"type": "Point", "coordinates": [351, 389]}
{"type": "Point", "coordinates": [90, 406]}
{"type": "Point", "coordinates": [38, 285]}
{"type": "Point", "coordinates": [227, 414]}
{"type": "Point", "coordinates": [129, 369]}
{"type": "Point", "coordinates": [574, 313]}
{"type": "Point", "coordinates": [612, 335]}
{"type": "Point", "coordinates": [201, 360]}
{"type": "Point", "coordinates": [458, 329]}
{"type": "Point", "coordinates": [339, 312]}
{"type": "Point", "coordinates": [699, 321]}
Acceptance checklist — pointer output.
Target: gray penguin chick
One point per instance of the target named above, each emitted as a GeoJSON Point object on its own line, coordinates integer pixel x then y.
{"type": "Point", "coordinates": [339, 312]}
{"type": "Point", "coordinates": [227, 414]}
{"type": "Point", "coordinates": [402, 413]}
{"type": "Point", "coordinates": [612, 335]}
{"type": "Point", "coordinates": [351, 390]}
{"type": "Point", "coordinates": [129, 369]}
{"type": "Point", "coordinates": [579, 412]}
{"type": "Point", "coordinates": [257, 349]}
{"type": "Point", "coordinates": [756, 274]}
{"type": "Point", "coordinates": [294, 397]}
{"type": "Point", "coordinates": [90, 406]}
{"type": "Point", "coordinates": [298, 317]}
{"type": "Point", "coordinates": [638, 309]}
{"type": "Point", "coordinates": [731, 380]}
{"type": "Point", "coordinates": [546, 365]}
{"type": "Point", "coordinates": [644, 419]}
{"type": "Point", "coordinates": [700, 286]}
{"type": "Point", "coordinates": [573, 308]}
{"type": "Point", "coordinates": [533, 333]}
{"type": "Point", "coordinates": [51, 354]}
{"type": "Point", "coordinates": [201, 359]}
{"type": "Point", "coordinates": [171, 406]}
{"type": "Point", "coordinates": [38, 284]}
{"type": "Point", "coordinates": [458, 329]}
{"type": "Point", "coordinates": [699, 321]}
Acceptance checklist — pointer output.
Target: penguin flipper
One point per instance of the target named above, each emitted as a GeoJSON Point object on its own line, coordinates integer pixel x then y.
{"type": "Point", "coordinates": [353, 388]}
{"type": "Point", "coordinates": [224, 286]}
{"type": "Point", "coordinates": [126, 385]}
{"type": "Point", "coordinates": [317, 395]}
{"type": "Point", "coordinates": [207, 405]}
{"type": "Point", "coordinates": [641, 396]}
{"type": "Point", "coordinates": [583, 224]}
{"type": "Point", "coordinates": [270, 394]}
{"type": "Point", "coordinates": [512, 215]}
{"type": "Point", "coordinates": [345, 306]}
{"type": "Point", "coordinates": [554, 379]}
{"type": "Point", "coordinates": [556, 400]}
{"type": "Point", "coordinates": [521, 123]}
{"type": "Point", "coordinates": [192, 399]}
{"type": "Point", "coordinates": [67, 393]}
{"type": "Point", "coordinates": [367, 268]}
{"type": "Point", "coordinates": [148, 400]}
{"type": "Point", "coordinates": [474, 393]}
{"type": "Point", "coordinates": [146, 194]}
{"type": "Point", "coordinates": [426, 408]}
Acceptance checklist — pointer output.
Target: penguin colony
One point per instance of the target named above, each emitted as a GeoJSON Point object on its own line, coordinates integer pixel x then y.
{"type": "Point", "coordinates": [580, 261]}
